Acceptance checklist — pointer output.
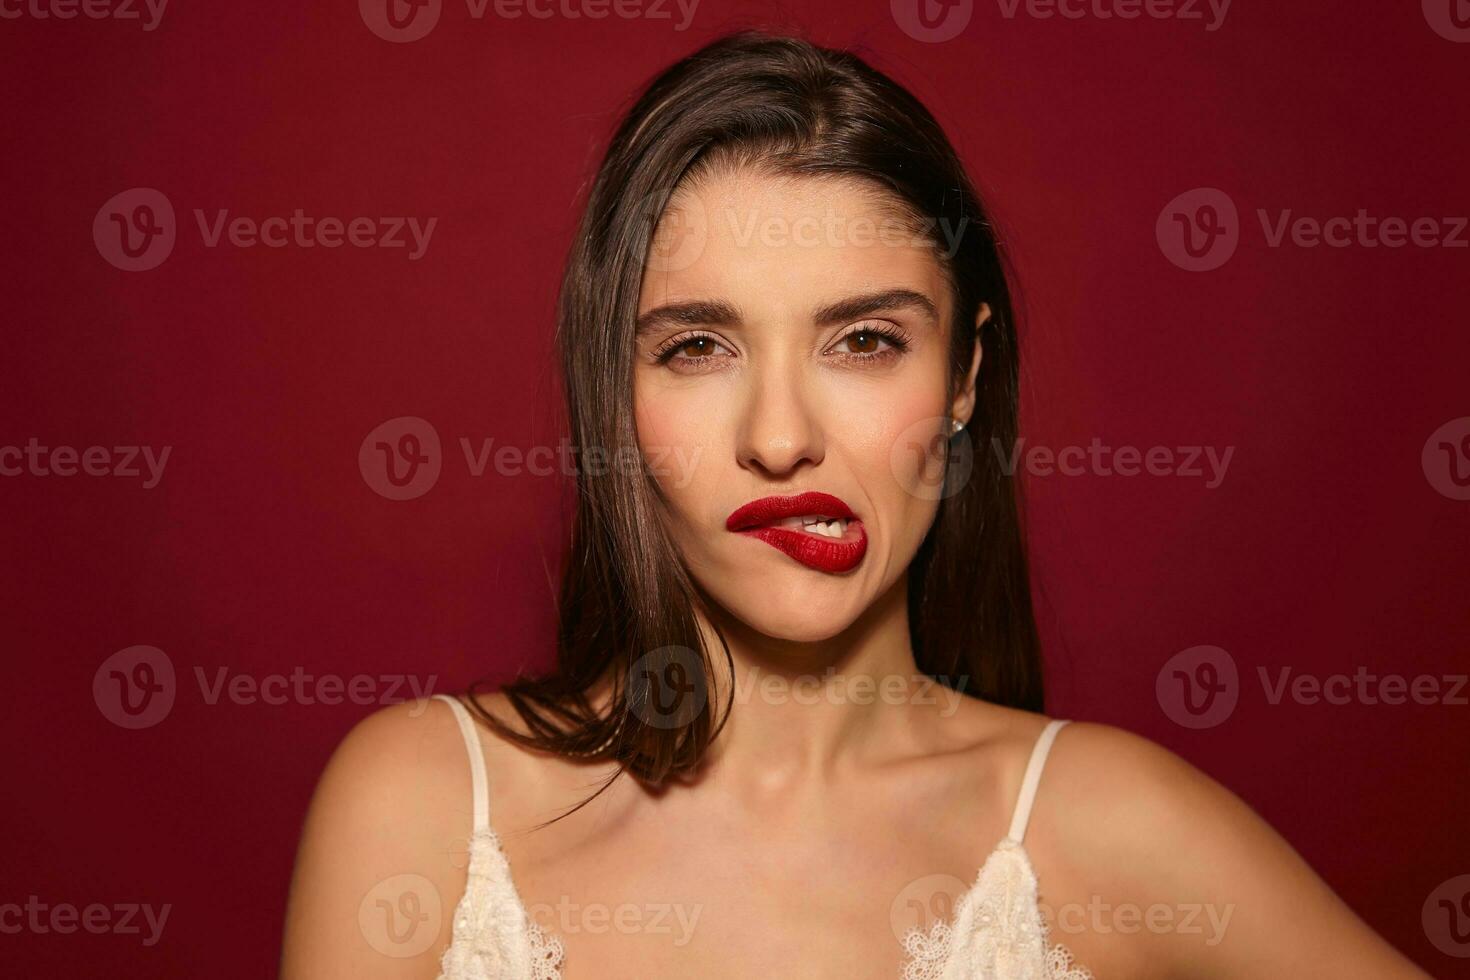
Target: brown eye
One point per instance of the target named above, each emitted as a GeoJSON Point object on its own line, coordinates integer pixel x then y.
{"type": "Point", "coordinates": [698, 347]}
{"type": "Point", "coordinates": [870, 345]}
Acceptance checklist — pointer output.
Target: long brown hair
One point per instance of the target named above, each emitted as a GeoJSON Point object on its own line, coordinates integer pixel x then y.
{"type": "Point", "coordinates": [626, 597]}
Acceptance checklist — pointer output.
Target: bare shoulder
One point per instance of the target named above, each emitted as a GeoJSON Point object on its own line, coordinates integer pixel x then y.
{"type": "Point", "coordinates": [413, 750]}
{"type": "Point", "coordinates": [391, 814]}
{"type": "Point", "coordinates": [410, 764]}
{"type": "Point", "coordinates": [1123, 821]}
{"type": "Point", "coordinates": [1134, 786]}
{"type": "Point", "coordinates": [1126, 801]}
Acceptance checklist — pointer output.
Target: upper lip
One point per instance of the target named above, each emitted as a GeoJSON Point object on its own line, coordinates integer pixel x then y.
{"type": "Point", "coordinates": [768, 510]}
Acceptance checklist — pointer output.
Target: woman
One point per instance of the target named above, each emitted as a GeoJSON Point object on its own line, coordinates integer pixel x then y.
{"type": "Point", "coordinates": [787, 295]}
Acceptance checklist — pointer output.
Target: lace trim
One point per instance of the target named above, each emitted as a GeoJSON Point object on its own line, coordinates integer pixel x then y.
{"type": "Point", "coordinates": [996, 932]}
{"type": "Point", "coordinates": [931, 955]}
{"type": "Point", "coordinates": [547, 954]}
{"type": "Point", "coordinates": [1061, 965]}
{"type": "Point", "coordinates": [494, 937]}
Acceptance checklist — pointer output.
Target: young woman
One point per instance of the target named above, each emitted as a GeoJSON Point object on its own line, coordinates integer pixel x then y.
{"type": "Point", "coordinates": [787, 295]}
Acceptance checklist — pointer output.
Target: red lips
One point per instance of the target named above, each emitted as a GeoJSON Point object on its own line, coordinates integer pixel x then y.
{"type": "Point", "coordinates": [832, 555]}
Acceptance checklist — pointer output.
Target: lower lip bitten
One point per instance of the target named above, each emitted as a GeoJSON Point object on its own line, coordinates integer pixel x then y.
{"type": "Point", "coordinates": [825, 554]}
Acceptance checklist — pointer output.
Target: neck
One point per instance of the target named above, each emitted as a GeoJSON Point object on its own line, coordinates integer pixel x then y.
{"type": "Point", "coordinates": [806, 709]}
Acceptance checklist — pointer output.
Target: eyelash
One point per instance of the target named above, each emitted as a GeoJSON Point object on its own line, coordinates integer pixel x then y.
{"type": "Point", "coordinates": [897, 339]}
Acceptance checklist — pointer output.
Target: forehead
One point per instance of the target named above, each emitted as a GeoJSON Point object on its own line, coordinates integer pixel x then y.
{"type": "Point", "coordinates": [778, 246]}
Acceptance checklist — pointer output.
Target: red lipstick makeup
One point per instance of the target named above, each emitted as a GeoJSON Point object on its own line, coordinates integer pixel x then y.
{"type": "Point", "coordinates": [816, 529]}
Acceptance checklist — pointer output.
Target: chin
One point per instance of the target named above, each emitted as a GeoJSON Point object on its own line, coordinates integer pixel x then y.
{"type": "Point", "coordinates": [782, 610]}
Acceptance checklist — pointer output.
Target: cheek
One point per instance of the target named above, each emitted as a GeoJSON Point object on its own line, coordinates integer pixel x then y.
{"type": "Point", "coordinates": [903, 452]}
{"type": "Point", "coordinates": [676, 434]}
{"type": "Point", "coordinates": [890, 430]}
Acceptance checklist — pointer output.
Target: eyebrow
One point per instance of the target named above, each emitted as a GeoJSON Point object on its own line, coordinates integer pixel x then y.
{"type": "Point", "coordinates": [718, 313]}
{"type": "Point", "coordinates": [688, 314]}
{"type": "Point", "coordinates": [889, 299]}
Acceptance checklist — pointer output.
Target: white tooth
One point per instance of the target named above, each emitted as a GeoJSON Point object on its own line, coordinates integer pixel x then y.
{"type": "Point", "coordinates": [815, 524]}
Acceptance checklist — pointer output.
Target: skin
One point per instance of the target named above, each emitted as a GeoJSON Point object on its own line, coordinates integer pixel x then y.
{"type": "Point", "coordinates": [816, 828]}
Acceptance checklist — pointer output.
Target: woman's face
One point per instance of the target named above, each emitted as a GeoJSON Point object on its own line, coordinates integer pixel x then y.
{"type": "Point", "coordinates": [793, 339]}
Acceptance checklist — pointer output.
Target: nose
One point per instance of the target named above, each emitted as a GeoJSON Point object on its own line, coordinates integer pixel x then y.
{"type": "Point", "coordinates": [778, 430]}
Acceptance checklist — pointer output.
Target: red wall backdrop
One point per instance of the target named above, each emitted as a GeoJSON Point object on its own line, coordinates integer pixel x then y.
{"type": "Point", "coordinates": [1335, 374]}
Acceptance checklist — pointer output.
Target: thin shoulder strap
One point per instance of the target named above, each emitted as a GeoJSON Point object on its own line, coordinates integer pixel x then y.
{"type": "Point", "coordinates": [1032, 778]}
{"type": "Point", "coordinates": [478, 782]}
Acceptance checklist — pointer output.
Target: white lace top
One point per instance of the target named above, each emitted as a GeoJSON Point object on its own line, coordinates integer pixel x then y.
{"type": "Point", "coordinates": [997, 932]}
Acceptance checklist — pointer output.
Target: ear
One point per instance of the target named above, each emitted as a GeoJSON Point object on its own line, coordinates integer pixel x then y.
{"type": "Point", "coordinates": [964, 402]}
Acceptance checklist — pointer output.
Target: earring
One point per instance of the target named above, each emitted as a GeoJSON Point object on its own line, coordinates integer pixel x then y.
{"type": "Point", "coordinates": [955, 427]}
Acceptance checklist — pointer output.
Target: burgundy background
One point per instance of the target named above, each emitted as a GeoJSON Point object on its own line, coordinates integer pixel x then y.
{"type": "Point", "coordinates": [264, 550]}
